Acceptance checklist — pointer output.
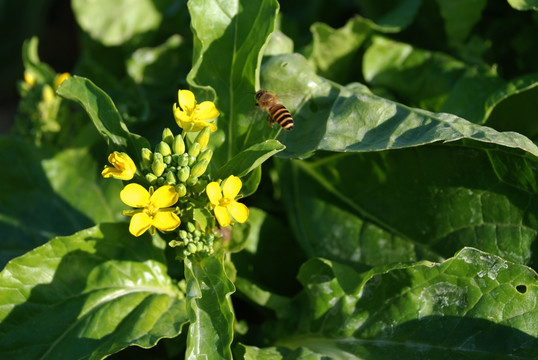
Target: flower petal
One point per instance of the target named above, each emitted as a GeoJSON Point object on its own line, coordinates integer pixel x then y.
{"type": "Point", "coordinates": [124, 167]}
{"type": "Point", "coordinates": [238, 211]}
{"type": "Point", "coordinates": [186, 100]}
{"type": "Point", "coordinates": [166, 220]}
{"type": "Point", "coordinates": [164, 196]}
{"type": "Point", "coordinates": [231, 187]}
{"type": "Point", "coordinates": [213, 192]}
{"type": "Point", "coordinates": [140, 222]}
{"type": "Point", "coordinates": [207, 110]}
{"type": "Point", "coordinates": [135, 195]}
{"type": "Point", "coordinates": [222, 216]}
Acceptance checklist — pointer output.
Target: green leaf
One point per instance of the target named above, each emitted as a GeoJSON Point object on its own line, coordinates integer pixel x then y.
{"type": "Point", "coordinates": [104, 115]}
{"type": "Point", "coordinates": [388, 15]}
{"type": "Point", "coordinates": [513, 106]}
{"type": "Point", "coordinates": [115, 22]}
{"type": "Point", "coordinates": [460, 17]}
{"type": "Point", "coordinates": [227, 55]}
{"type": "Point", "coordinates": [210, 314]}
{"type": "Point", "coordinates": [47, 194]}
{"type": "Point", "coordinates": [420, 203]}
{"type": "Point", "coordinates": [474, 305]}
{"type": "Point", "coordinates": [524, 4]}
{"type": "Point", "coordinates": [335, 118]}
{"type": "Point", "coordinates": [87, 296]}
{"type": "Point", "coordinates": [249, 159]}
{"type": "Point", "coordinates": [333, 50]}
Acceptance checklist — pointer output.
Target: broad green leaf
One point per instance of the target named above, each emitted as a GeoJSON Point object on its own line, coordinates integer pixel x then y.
{"type": "Point", "coordinates": [255, 353]}
{"type": "Point", "coordinates": [334, 50]}
{"type": "Point", "coordinates": [114, 23]}
{"type": "Point", "coordinates": [424, 203]}
{"type": "Point", "coordinates": [388, 15]}
{"type": "Point", "coordinates": [104, 115]}
{"type": "Point", "coordinates": [335, 118]}
{"type": "Point", "coordinates": [474, 305]}
{"type": "Point", "coordinates": [460, 16]}
{"type": "Point", "coordinates": [209, 309]}
{"type": "Point", "coordinates": [249, 159]}
{"type": "Point", "coordinates": [47, 194]}
{"type": "Point", "coordinates": [87, 296]}
{"type": "Point", "coordinates": [229, 37]}
{"type": "Point", "coordinates": [419, 77]}
{"type": "Point", "coordinates": [524, 4]}
{"type": "Point", "coordinates": [278, 43]}
{"type": "Point", "coordinates": [513, 106]}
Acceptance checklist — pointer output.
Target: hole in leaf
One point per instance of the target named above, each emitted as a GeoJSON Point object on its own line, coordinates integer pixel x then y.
{"type": "Point", "coordinates": [522, 289]}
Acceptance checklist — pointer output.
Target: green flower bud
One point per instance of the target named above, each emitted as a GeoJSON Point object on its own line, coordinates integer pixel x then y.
{"type": "Point", "coordinates": [192, 160]}
{"type": "Point", "coordinates": [160, 181]}
{"type": "Point", "coordinates": [190, 227]}
{"type": "Point", "coordinates": [158, 164]}
{"type": "Point", "coordinates": [168, 136]}
{"type": "Point", "coordinates": [174, 243]}
{"type": "Point", "coordinates": [183, 234]}
{"type": "Point", "coordinates": [178, 145]}
{"type": "Point", "coordinates": [147, 157]}
{"type": "Point", "coordinates": [168, 159]}
{"type": "Point", "coordinates": [207, 154]}
{"type": "Point", "coordinates": [181, 190]}
{"type": "Point", "coordinates": [163, 148]}
{"type": "Point", "coordinates": [47, 93]}
{"type": "Point", "coordinates": [191, 248]}
{"type": "Point", "coordinates": [192, 180]}
{"type": "Point", "coordinates": [183, 160]}
{"type": "Point", "coordinates": [151, 178]}
{"type": "Point", "coordinates": [183, 173]}
{"type": "Point", "coordinates": [194, 150]}
{"type": "Point", "coordinates": [200, 246]}
{"type": "Point", "coordinates": [199, 168]}
{"type": "Point", "coordinates": [203, 137]}
{"type": "Point", "coordinates": [170, 178]}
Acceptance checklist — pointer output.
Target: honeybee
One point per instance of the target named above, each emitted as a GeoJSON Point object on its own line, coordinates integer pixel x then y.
{"type": "Point", "coordinates": [277, 112]}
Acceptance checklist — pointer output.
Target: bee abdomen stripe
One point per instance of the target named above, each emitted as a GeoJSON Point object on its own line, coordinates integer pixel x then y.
{"type": "Point", "coordinates": [288, 124]}
{"type": "Point", "coordinates": [279, 113]}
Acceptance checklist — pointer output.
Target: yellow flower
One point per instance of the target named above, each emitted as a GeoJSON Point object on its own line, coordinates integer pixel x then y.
{"type": "Point", "coordinates": [123, 168]}
{"type": "Point", "coordinates": [194, 117]}
{"type": "Point", "coordinates": [155, 209]}
{"type": "Point", "coordinates": [60, 79]}
{"type": "Point", "coordinates": [29, 78]}
{"type": "Point", "coordinates": [224, 203]}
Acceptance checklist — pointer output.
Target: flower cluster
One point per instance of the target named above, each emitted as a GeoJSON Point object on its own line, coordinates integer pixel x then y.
{"type": "Point", "coordinates": [41, 114]}
{"type": "Point", "coordinates": [171, 191]}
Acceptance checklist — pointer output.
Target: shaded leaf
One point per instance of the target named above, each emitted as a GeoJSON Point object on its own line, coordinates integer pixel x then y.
{"type": "Point", "coordinates": [390, 16]}
{"type": "Point", "coordinates": [47, 194]}
{"type": "Point", "coordinates": [210, 314]}
{"type": "Point", "coordinates": [460, 17]}
{"type": "Point", "coordinates": [524, 4]}
{"type": "Point", "coordinates": [87, 296]}
{"type": "Point", "coordinates": [474, 305]}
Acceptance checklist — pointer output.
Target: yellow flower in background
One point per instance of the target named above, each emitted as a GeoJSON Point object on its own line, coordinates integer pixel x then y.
{"type": "Point", "coordinates": [191, 116]}
{"type": "Point", "coordinates": [123, 167]}
{"type": "Point", "coordinates": [29, 78]}
{"type": "Point", "coordinates": [154, 208]}
{"type": "Point", "coordinates": [60, 79]}
{"type": "Point", "coordinates": [224, 203]}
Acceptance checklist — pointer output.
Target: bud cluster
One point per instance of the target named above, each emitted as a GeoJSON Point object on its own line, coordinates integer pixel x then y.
{"type": "Point", "coordinates": [173, 163]}
{"type": "Point", "coordinates": [192, 241]}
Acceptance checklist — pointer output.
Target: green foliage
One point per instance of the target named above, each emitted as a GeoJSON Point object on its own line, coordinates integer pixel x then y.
{"type": "Point", "coordinates": [398, 219]}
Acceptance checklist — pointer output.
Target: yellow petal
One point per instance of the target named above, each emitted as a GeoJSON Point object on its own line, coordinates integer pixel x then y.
{"type": "Point", "coordinates": [140, 222]}
{"type": "Point", "coordinates": [60, 79]}
{"type": "Point", "coordinates": [135, 195]}
{"type": "Point", "coordinates": [164, 196]}
{"type": "Point", "coordinates": [166, 220]}
{"type": "Point", "coordinates": [238, 211]}
{"type": "Point", "coordinates": [207, 110]}
{"type": "Point", "coordinates": [222, 216]}
{"type": "Point", "coordinates": [111, 172]}
{"type": "Point", "coordinates": [231, 187]}
{"type": "Point", "coordinates": [213, 193]}
{"type": "Point", "coordinates": [124, 167]}
{"type": "Point", "coordinates": [186, 100]}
